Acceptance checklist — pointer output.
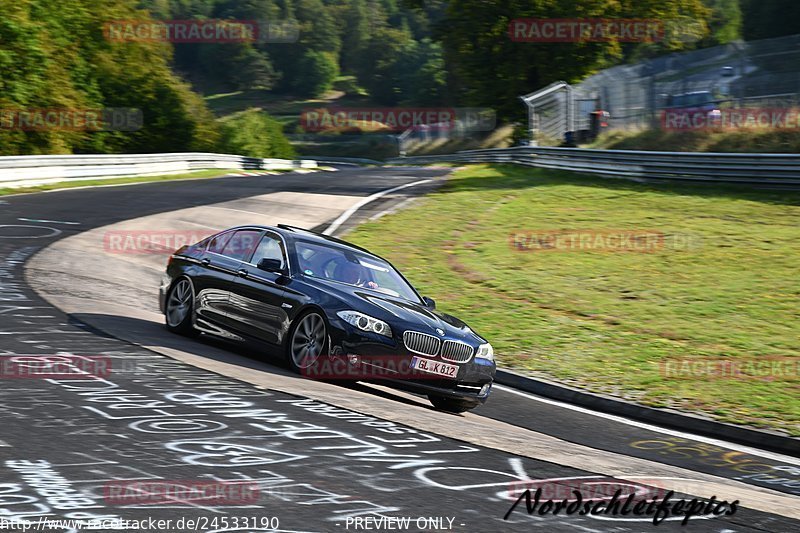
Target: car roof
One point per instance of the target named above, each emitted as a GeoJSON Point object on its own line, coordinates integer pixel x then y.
{"type": "Point", "coordinates": [308, 235]}
{"type": "Point", "coordinates": [293, 232]}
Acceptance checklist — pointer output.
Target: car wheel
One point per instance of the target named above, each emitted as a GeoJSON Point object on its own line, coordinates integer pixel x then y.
{"type": "Point", "coordinates": [451, 405]}
{"type": "Point", "coordinates": [306, 342]}
{"type": "Point", "coordinates": [179, 309]}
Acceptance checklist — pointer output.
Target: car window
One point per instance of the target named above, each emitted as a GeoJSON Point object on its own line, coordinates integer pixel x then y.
{"type": "Point", "coordinates": [218, 242]}
{"type": "Point", "coordinates": [352, 267]}
{"type": "Point", "coordinates": [270, 247]}
{"type": "Point", "coordinates": [241, 245]}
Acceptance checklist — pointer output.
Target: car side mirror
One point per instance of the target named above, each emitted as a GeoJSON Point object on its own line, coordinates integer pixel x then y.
{"type": "Point", "coordinates": [429, 302]}
{"type": "Point", "coordinates": [271, 265]}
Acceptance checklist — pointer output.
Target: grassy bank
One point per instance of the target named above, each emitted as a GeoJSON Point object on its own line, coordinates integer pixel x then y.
{"type": "Point", "coordinates": [721, 285]}
{"type": "Point", "coordinates": [743, 141]}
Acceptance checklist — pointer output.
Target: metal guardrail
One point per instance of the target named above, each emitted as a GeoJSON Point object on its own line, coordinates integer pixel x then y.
{"type": "Point", "coordinates": [48, 168]}
{"type": "Point", "coordinates": [750, 169]}
{"type": "Point", "coordinates": [344, 161]}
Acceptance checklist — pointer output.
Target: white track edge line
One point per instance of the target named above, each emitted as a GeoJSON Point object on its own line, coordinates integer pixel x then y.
{"type": "Point", "coordinates": [650, 427]}
{"type": "Point", "coordinates": [344, 217]}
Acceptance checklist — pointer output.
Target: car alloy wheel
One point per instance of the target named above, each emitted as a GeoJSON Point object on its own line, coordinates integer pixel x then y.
{"type": "Point", "coordinates": [308, 341]}
{"type": "Point", "coordinates": [180, 307]}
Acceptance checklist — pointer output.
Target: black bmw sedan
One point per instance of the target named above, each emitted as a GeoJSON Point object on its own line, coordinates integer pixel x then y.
{"type": "Point", "coordinates": [332, 309]}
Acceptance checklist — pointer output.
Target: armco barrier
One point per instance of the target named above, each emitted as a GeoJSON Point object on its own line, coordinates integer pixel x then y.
{"type": "Point", "coordinates": [750, 169]}
{"type": "Point", "coordinates": [344, 161]}
{"type": "Point", "coordinates": [21, 169]}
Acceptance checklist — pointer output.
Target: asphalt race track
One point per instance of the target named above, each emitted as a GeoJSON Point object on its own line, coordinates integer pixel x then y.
{"type": "Point", "coordinates": [313, 456]}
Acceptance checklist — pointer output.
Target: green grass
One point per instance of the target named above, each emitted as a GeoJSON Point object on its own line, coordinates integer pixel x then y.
{"type": "Point", "coordinates": [281, 105]}
{"type": "Point", "coordinates": [212, 173]}
{"type": "Point", "coordinates": [601, 320]}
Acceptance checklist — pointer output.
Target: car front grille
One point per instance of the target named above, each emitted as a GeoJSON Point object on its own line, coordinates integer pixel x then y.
{"type": "Point", "coordinates": [457, 352]}
{"type": "Point", "coordinates": [421, 343]}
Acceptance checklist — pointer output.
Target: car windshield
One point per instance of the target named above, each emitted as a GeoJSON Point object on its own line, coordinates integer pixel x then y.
{"type": "Point", "coordinates": [353, 268]}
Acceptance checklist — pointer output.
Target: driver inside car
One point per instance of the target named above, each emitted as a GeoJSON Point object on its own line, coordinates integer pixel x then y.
{"type": "Point", "coordinates": [354, 274]}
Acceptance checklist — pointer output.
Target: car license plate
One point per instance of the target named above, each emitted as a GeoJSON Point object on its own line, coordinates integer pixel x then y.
{"type": "Point", "coordinates": [434, 367]}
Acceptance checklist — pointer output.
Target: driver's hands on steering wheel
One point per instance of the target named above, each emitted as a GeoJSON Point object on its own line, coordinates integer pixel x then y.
{"type": "Point", "coordinates": [368, 284]}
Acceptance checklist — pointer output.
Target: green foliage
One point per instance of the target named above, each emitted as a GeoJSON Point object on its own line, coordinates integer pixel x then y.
{"type": "Point", "coordinates": [401, 52]}
{"type": "Point", "coordinates": [381, 67]}
{"type": "Point", "coordinates": [490, 69]}
{"type": "Point", "coordinates": [60, 59]}
{"type": "Point", "coordinates": [318, 28]}
{"type": "Point", "coordinates": [315, 74]}
{"type": "Point", "coordinates": [395, 69]}
{"type": "Point", "coordinates": [355, 21]}
{"type": "Point", "coordinates": [770, 18]}
{"type": "Point", "coordinates": [255, 134]}
{"type": "Point", "coordinates": [428, 80]}
{"type": "Point", "coordinates": [725, 23]}
{"type": "Point", "coordinates": [233, 67]}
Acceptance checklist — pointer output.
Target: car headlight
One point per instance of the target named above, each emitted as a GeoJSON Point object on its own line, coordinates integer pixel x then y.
{"type": "Point", "coordinates": [485, 351]}
{"type": "Point", "coordinates": [365, 322]}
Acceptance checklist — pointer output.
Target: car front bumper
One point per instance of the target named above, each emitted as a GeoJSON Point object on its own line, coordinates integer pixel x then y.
{"type": "Point", "coordinates": [362, 356]}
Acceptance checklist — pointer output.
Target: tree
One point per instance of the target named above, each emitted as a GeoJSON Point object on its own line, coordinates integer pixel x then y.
{"type": "Point", "coordinates": [770, 18]}
{"type": "Point", "coordinates": [384, 69]}
{"type": "Point", "coordinates": [233, 66]}
{"type": "Point", "coordinates": [315, 74]}
{"type": "Point", "coordinates": [428, 81]}
{"type": "Point", "coordinates": [489, 69]}
{"type": "Point", "coordinates": [355, 35]}
{"type": "Point", "coordinates": [318, 29]}
{"type": "Point", "coordinates": [59, 58]}
{"type": "Point", "coordinates": [254, 133]}
{"type": "Point", "coordinates": [725, 23]}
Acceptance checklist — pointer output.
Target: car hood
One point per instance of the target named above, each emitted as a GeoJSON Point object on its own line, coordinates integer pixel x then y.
{"type": "Point", "coordinates": [400, 312]}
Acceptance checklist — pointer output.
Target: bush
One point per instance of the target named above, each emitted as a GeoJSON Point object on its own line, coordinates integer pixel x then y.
{"type": "Point", "coordinates": [315, 75]}
{"type": "Point", "coordinates": [255, 134]}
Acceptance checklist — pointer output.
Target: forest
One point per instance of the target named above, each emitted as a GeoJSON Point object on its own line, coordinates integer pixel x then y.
{"type": "Point", "coordinates": [423, 53]}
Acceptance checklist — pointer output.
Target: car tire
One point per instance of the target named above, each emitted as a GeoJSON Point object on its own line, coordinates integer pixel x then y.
{"type": "Point", "coordinates": [179, 309]}
{"type": "Point", "coordinates": [451, 405]}
{"type": "Point", "coordinates": [309, 331]}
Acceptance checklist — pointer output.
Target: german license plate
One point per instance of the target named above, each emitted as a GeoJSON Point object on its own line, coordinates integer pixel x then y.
{"type": "Point", "coordinates": [434, 367]}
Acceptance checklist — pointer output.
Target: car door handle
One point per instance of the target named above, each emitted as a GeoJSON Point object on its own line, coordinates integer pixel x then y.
{"type": "Point", "coordinates": [205, 262]}
{"type": "Point", "coordinates": [243, 273]}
